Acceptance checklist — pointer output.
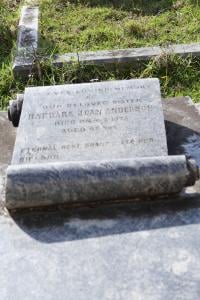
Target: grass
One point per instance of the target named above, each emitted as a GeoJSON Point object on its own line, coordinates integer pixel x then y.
{"type": "Point", "coordinates": [82, 26]}
{"type": "Point", "coordinates": [8, 22]}
{"type": "Point", "coordinates": [73, 26]}
{"type": "Point", "coordinates": [9, 15]}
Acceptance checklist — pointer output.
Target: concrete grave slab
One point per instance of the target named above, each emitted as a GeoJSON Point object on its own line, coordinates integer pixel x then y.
{"type": "Point", "coordinates": [27, 42]}
{"type": "Point", "coordinates": [124, 251]}
{"type": "Point", "coordinates": [129, 55]}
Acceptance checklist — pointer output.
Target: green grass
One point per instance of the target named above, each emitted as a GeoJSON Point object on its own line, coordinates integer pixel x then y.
{"type": "Point", "coordinates": [73, 26]}
{"type": "Point", "coordinates": [82, 27]}
{"type": "Point", "coordinates": [9, 15]}
{"type": "Point", "coordinates": [8, 22]}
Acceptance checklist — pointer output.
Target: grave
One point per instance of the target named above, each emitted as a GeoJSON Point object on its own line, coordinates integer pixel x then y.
{"type": "Point", "coordinates": [129, 250]}
{"type": "Point", "coordinates": [125, 249]}
{"type": "Point", "coordinates": [91, 142]}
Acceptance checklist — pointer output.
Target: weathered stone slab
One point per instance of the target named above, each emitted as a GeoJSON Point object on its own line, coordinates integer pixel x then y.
{"type": "Point", "coordinates": [108, 57]}
{"type": "Point", "coordinates": [77, 143]}
{"type": "Point", "coordinates": [198, 106]}
{"type": "Point", "coordinates": [7, 138]}
{"type": "Point", "coordinates": [28, 36]}
{"type": "Point", "coordinates": [127, 55]}
{"type": "Point", "coordinates": [94, 250]}
{"type": "Point", "coordinates": [34, 185]}
{"type": "Point", "coordinates": [28, 30]}
{"type": "Point", "coordinates": [188, 138]}
{"type": "Point", "coordinates": [91, 121]}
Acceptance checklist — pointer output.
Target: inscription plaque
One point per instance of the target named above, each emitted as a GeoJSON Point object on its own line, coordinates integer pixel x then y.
{"type": "Point", "coordinates": [91, 121]}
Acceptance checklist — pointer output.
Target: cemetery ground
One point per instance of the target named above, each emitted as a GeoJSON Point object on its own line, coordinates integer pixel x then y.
{"type": "Point", "coordinates": [116, 165]}
{"type": "Point", "coordinates": [86, 25]}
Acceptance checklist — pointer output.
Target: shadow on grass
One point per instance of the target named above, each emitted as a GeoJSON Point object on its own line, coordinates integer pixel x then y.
{"type": "Point", "coordinates": [47, 47]}
{"type": "Point", "coordinates": [141, 6]}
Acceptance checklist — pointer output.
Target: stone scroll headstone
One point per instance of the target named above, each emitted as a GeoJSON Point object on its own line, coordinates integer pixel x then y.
{"type": "Point", "coordinates": [92, 141]}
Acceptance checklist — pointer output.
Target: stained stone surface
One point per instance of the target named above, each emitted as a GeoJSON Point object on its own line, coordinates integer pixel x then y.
{"type": "Point", "coordinates": [27, 42]}
{"type": "Point", "coordinates": [28, 29]}
{"type": "Point", "coordinates": [188, 138]}
{"type": "Point", "coordinates": [120, 56]}
{"type": "Point", "coordinates": [118, 252]}
{"type": "Point", "coordinates": [86, 182]}
{"type": "Point", "coordinates": [130, 55]}
{"type": "Point", "coordinates": [91, 121]}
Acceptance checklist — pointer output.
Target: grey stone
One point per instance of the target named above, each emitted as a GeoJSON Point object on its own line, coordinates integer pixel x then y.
{"type": "Point", "coordinates": [91, 121]}
{"type": "Point", "coordinates": [198, 106]}
{"type": "Point", "coordinates": [27, 43]}
{"type": "Point", "coordinates": [109, 57]}
{"type": "Point", "coordinates": [129, 55]}
{"type": "Point", "coordinates": [7, 138]}
{"type": "Point", "coordinates": [98, 130]}
{"type": "Point", "coordinates": [129, 251]}
{"type": "Point", "coordinates": [83, 182]}
{"type": "Point", "coordinates": [14, 109]}
{"type": "Point", "coordinates": [188, 141]}
{"type": "Point", "coordinates": [91, 132]}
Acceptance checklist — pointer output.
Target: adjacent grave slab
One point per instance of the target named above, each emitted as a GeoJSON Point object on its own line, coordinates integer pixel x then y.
{"type": "Point", "coordinates": [109, 57]}
{"type": "Point", "coordinates": [27, 42]}
{"type": "Point", "coordinates": [91, 121]}
{"type": "Point", "coordinates": [129, 55]}
{"type": "Point", "coordinates": [112, 252]}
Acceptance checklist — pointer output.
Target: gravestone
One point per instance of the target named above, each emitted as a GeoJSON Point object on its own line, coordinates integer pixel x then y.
{"type": "Point", "coordinates": [93, 142]}
{"type": "Point", "coordinates": [109, 120]}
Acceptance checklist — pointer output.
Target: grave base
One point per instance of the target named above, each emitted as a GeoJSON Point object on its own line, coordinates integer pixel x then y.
{"type": "Point", "coordinates": [123, 251]}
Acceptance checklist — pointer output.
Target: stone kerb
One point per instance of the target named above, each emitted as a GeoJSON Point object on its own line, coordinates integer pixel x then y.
{"type": "Point", "coordinates": [28, 46]}
{"type": "Point", "coordinates": [27, 42]}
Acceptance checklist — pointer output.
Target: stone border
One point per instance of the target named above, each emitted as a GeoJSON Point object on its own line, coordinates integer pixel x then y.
{"type": "Point", "coordinates": [27, 41]}
{"type": "Point", "coordinates": [127, 55]}
{"type": "Point", "coordinates": [28, 46]}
